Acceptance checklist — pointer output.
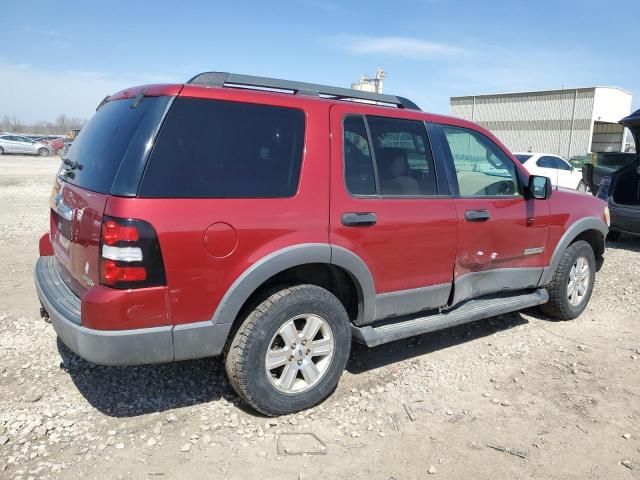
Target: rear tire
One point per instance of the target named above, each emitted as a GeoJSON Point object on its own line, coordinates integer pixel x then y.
{"type": "Point", "coordinates": [43, 152]}
{"type": "Point", "coordinates": [572, 284]}
{"type": "Point", "coordinates": [290, 351]}
{"type": "Point", "coordinates": [1, 151]}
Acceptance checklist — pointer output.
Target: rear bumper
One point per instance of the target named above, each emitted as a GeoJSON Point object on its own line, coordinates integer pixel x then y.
{"type": "Point", "coordinates": [120, 347]}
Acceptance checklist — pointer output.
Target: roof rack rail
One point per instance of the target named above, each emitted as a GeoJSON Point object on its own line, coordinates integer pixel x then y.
{"type": "Point", "coordinates": [221, 79]}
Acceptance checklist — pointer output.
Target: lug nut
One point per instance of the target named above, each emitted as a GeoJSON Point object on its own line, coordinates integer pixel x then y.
{"type": "Point", "coordinates": [290, 357]}
{"type": "Point", "coordinates": [308, 351]}
{"type": "Point", "coordinates": [304, 342]}
{"type": "Point", "coordinates": [293, 346]}
{"type": "Point", "coordinates": [299, 362]}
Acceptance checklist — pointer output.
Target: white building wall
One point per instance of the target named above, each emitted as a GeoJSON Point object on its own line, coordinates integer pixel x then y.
{"type": "Point", "coordinates": [611, 104]}
{"type": "Point", "coordinates": [555, 121]}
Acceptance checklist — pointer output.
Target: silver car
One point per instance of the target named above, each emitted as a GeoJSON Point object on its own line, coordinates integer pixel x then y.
{"type": "Point", "coordinates": [11, 143]}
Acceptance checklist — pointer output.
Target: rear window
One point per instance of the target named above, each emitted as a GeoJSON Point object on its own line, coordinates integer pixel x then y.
{"type": "Point", "coordinates": [522, 158]}
{"type": "Point", "coordinates": [103, 142]}
{"type": "Point", "coordinates": [221, 149]}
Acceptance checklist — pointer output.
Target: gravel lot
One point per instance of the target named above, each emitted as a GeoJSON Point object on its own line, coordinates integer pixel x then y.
{"type": "Point", "coordinates": [517, 396]}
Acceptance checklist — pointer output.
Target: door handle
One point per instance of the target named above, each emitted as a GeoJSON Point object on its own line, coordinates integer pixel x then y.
{"type": "Point", "coordinates": [359, 219]}
{"type": "Point", "coordinates": [477, 215]}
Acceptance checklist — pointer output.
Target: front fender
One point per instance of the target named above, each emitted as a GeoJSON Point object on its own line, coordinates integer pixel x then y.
{"type": "Point", "coordinates": [580, 226]}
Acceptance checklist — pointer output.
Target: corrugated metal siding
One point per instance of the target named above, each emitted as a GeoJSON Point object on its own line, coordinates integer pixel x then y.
{"type": "Point", "coordinates": [537, 121]}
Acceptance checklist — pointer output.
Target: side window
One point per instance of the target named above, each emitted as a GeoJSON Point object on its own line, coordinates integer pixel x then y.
{"type": "Point", "coordinates": [221, 149]}
{"type": "Point", "coordinates": [403, 157]}
{"type": "Point", "coordinates": [561, 164]}
{"type": "Point", "coordinates": [481, 167]}
{"type": "Point", "coordinates": [546, 162]}
{"type": "Point", "coordinates": [358, 166]}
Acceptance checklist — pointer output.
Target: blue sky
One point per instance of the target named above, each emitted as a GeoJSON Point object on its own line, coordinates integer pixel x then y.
{"type": "Point", "coordinates": [64, 57]}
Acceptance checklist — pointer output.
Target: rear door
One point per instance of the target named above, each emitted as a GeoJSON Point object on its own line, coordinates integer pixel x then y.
{"type": "Point", "coordinates": [388, 207]}
{"type": "Point", "coordinates": [501, 235]}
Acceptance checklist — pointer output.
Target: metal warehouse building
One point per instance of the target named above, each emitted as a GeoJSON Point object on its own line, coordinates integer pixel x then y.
{"type": "Point", "coordinates": [568, 123]}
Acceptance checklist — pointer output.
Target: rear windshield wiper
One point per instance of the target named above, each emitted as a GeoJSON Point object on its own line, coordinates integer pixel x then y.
{"type": "Point", "coordinates": [72, 165]}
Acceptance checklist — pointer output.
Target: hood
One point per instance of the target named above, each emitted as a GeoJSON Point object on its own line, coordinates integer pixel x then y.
{"type": "Point", "coordinates": [632, 122]}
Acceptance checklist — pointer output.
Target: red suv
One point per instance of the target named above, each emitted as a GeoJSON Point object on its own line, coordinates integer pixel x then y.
{"type": "Point", "coordinates": [272, 221]}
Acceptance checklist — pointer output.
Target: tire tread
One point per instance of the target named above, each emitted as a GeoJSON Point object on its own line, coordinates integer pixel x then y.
{"type": "Point", "coordinates": [558, 306]}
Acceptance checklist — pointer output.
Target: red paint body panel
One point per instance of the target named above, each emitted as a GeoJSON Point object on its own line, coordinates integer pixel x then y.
{"type": "Point", "coordinates": [500, 241]}
{"type": "Point", "coordinates": [566, 207]}
{"type": "Point", "coordinates": [413, 242]}
{"type": "Point", "coordinates": [44, 246]}
{"type": "Point", "coordinates": [105, 308]}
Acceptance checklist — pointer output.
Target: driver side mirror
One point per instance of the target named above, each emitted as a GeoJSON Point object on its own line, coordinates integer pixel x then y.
{"type": "Point", "coordinates": [539, 187]}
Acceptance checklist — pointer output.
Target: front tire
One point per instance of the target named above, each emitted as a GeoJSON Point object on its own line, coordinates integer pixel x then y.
{"type": "Point", "coordinates": [43, 152]}
{"type": "Point", "coordinates": [572, 284]}
{"type": "Point", "coordinates": [1, 151]}
{"type": "Point", "coordinates": [290, 351]}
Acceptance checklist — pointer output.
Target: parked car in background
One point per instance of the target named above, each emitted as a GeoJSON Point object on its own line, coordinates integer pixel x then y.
{"type": "Point", "coordinates": [49, 137]}
{"type": "Point", "coordinates": [621, 187]}
{"type": "Point", "coordinates": [561, 173]}
{"type": "Point", "coordinates": [57, 143]}
{"type": "Point", "coordinates": [11, 143]}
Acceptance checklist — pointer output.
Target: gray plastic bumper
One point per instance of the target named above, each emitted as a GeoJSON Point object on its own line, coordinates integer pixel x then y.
{"type": "Point", "coordinates": [120, 347]}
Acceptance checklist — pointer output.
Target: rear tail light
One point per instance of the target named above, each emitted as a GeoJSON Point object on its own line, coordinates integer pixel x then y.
{"type": "Point", "coordinates": [130, 255]}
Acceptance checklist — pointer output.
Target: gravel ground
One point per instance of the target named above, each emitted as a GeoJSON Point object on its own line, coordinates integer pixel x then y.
{"type": "Point", "coordinates": [517, 396]}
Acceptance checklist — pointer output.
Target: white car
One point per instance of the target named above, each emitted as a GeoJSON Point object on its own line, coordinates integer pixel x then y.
{"type": "Point", "coordinates": [11, 143]}
{"type": "Point", "coordinates": [561, 173]}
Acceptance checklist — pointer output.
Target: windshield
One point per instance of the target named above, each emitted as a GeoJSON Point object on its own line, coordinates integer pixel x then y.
{"type": "Point", "coordinates": [97, 152]}
{"type": "Point", "coordinates": [522, 157]}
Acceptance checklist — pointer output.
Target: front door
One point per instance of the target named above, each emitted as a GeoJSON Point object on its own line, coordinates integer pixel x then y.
{"type": "Point", "coordinates": [501, 234]}
{"type": "Point", "coordinates": [389, 209]}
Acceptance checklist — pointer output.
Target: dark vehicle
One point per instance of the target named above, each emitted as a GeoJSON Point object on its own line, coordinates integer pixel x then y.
{"type": "Point", "coordinates": [603, 166]}
{"type": "Point", "coordinates": [621, 188]}
{"type": "Point", "coordinates": [274, 226]}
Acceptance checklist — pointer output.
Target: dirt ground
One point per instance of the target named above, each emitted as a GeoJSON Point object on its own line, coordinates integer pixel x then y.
{"type": "Point", "coordinates": [518, 396]}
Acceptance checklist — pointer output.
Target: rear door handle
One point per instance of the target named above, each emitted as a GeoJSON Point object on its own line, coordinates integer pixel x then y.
{"type": "Point", "coordinates": [359, 219]}
{"type": "Point", "coordinates": [477, 215]}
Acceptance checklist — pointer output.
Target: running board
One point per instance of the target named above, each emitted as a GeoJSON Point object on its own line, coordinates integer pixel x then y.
{"type": "Point", "coordinates": [470, 311]}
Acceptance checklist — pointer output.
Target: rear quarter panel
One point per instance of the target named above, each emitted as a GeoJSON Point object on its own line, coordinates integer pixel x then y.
{"type": "Point", "coordinates": [196, 280]}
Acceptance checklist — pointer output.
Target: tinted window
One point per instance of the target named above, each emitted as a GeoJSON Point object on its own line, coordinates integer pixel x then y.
{"type": "Point", "coordinates": [481, 167]}
{"type": "Point", "coordinates": [220, 149]}
{"type": "Point", "coordinates": [358, 166]}
{"type": "Point", "coordinates": [522, 158]}
{"type": "Point", "coordinates": [403, 157]}
{"type": "Point", "coordinates": [105, 139]}
{"type": "Point", "coordinates": [546, 162]}
{"type": "Point", "coordinates": [561, 164]}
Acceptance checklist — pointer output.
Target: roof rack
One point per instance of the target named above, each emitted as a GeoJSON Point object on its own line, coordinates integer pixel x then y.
{"type": "Point", "coordinates": [222, 79]}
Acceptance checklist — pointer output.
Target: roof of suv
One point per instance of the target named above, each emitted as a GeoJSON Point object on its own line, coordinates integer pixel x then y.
{"type": "Point", "coordinates": [307, 92]}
